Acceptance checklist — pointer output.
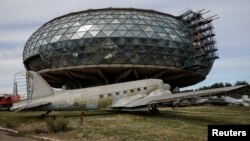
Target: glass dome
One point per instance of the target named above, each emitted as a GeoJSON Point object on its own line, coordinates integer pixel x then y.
{"type": "Point", "coordinates": [113, 36]}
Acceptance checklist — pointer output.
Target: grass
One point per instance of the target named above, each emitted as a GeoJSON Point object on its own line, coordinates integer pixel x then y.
{"type": "Point", "coordinates": [188, 123]}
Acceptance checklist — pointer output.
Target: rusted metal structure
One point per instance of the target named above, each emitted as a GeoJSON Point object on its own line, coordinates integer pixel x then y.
{"type": "Point", "coordinates": [111, 45]}
{"type": "Point", "coordinates": [203, 39]}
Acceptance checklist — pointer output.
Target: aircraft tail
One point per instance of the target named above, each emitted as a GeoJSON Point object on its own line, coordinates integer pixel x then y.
{"type": "Point", "coordinates": [31, 85]}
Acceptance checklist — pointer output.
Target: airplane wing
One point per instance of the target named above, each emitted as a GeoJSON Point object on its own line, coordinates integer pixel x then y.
{"type": "Point", "coordinates": [142, 101]}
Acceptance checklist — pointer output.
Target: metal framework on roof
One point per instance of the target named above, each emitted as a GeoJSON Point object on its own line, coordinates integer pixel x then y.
{"type": "Point", "coordinates": [203, 38]}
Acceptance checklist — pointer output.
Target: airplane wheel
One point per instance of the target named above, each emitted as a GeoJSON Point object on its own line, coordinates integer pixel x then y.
{"type": "Point", "coordinates": [45, 114]}
{"type": "Point", "coordinates": [156, 111]}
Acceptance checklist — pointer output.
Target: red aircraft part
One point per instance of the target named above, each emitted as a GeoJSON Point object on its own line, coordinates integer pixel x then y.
{"type": "Point", "coordinates": [8, 100]}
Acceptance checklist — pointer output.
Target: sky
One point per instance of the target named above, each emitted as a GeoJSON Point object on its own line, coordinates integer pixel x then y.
{"type": "Point", "coordinates": [20, 18]}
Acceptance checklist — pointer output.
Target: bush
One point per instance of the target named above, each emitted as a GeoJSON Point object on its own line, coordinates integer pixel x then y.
{"type": "Point", "coordinates": [40, 130]}
{"type": "Point", "coordinates": [57, 124]}
{"type": "Point", "coordinates": [11, 124]}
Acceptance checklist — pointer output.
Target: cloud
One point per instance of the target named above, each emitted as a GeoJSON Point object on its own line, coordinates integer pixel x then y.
{"type": "Point", "coordinates": [10, 54]}
{"type": "Point", "coordinates": [231, 69]}
{"type": "Point", "coordinates": [15, 36]}
{"type": "Point", "coordinates": [237, 62]}
{"type": "Point", "coordinates": [11, 62]}
{"type": "Point", "coordinates": [8, 68]}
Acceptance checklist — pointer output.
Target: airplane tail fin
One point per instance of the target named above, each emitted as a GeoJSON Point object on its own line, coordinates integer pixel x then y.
{"type": "Point", "coordinates": [30, 85]}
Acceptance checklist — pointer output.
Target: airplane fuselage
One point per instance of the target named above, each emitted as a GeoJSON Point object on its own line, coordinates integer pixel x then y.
{"type": "Point", "coordinates": [93, 97]}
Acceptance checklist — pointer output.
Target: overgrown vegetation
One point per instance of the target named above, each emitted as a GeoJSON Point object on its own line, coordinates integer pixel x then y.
{"type": "Point", "coordinates": [40, 130]}
{"type": "Point", "coordinates": [57, 124]}
{"type": "Point", "coordinates": [187, 123]}
{"type": "Point", "coordinates": [11, 124]}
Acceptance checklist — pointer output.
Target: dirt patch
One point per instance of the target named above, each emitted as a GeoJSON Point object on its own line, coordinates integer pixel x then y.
{"type": "Point", "coordinates": [11, 137]}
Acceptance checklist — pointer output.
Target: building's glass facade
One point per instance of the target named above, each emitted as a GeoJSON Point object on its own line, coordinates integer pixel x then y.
{"type": "Point", "coordinates": [110, 36]}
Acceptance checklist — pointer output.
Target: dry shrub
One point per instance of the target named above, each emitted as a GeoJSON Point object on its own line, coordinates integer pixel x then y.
{"type": "Point", "coordinates": [57, 124]}
{"type": "Point", "coordinates": [11, 124]}
{"type": "Point", "coordinates": [40, 130]}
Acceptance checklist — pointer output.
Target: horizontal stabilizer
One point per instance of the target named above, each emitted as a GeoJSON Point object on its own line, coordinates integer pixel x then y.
{"type": "Point", "coordinates": [37, 105]}
{"type": "Point", "coordinates": [27, 105]}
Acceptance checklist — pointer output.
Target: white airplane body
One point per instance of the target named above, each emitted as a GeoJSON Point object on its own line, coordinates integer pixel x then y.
{"type": "Point", "coordinates": [243, 101]}
{"type": "Point", "coordinates": [127, 95]}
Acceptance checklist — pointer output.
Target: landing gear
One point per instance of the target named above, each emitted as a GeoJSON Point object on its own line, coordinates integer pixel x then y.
{"type": "Point", "coordinates": [45, 114]}
{"type": "Point", "coordinates": [153, 109]}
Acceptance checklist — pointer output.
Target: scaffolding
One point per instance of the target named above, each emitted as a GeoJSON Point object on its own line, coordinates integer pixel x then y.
{"type": "Point", "coordinates": [203, 38]}
{"type": "Point", "coordinates": [20, 85]}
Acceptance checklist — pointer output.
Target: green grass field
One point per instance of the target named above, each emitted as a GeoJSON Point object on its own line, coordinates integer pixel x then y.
{"type": "Point", "coordinates": [188, 123]}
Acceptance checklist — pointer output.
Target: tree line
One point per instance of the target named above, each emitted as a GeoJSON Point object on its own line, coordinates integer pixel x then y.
{"type": "Point", "coordinates": [219, 85]}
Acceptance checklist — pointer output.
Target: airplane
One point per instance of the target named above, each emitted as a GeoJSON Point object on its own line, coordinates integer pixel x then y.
{"type": "Point", "coordinates": [191, 101]}
{"type": "Point", "coordinates": [244, 101]}
{"type": "Point", "coordinates": [223, 100]}
{"type": "Point", "coordinates": [146, 93]}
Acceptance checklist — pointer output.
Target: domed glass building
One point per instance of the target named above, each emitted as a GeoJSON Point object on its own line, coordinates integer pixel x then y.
{"type": "Point", "coordinates": [106, 46]}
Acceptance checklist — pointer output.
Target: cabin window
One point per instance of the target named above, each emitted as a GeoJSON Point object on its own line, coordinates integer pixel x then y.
{"type": "Point", "coordinates": [131, 90]}
{"type": "Point", "coordinates": [109, 95]}
{"type": "Point", "coordinates": [124, 92]}
{"type": "Point", "coordinates": [145, 88]}
{"type": "Point", "coordinates": [101, 96]}
{"type": "Point", "coordinates": [117, 93]}
{"type": "Point", "coordinates": [138, 89]}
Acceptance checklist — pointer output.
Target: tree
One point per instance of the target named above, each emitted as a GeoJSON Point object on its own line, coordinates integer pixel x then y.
{"type": "Point", "coordinates": [217, 85]}
{"type": "Point", "coordinates": [241, 83]}
{"type": "Point", "coordinates": [227, 84]}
